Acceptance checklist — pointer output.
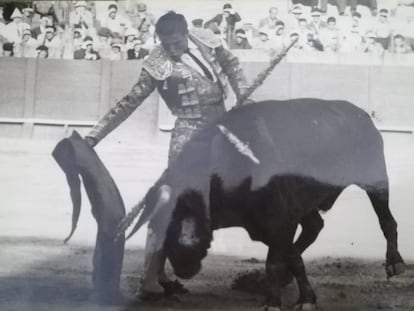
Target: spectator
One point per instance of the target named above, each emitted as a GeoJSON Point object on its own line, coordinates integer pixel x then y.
{"type": "Point", "coordinates": [130, 35]}
{"type": "Point", "coordinates": [271, 20]}
{"type": "Point", "coordinates": [116, 51]}
{"type": "Point", "coordinates": [117, 38]}
{"type": "Point", "coordinates": [81, 16]}
{"type": "Point", "coordinates": [409, 31]}
{"type": "Point", "coordinates": [225, 21]}
{"type": "Point", "coordinates": [330, 33]}
{"type": "Point", "coordinates": [103, 45]}
{"type": "Point", "coordinates": [78, 37]}
{"type": "Point", "coordinates": [13, 31]}
{"type": "Point", "coordinates": [8, 50]}
{"type": "Point", "coordinates": [137, 51]}
{"type": "Point", "coordinates": [263, 41]}
{"type": "Point", "coordinates": [332, 43]}
{"type": "Point", "coordinates": [400, 46]}
{"type": "Point", "coordinates": [352, 41]}
{"type": "Point", "coordinates": [115, 22]}
{"type": "Point", "coordinates": [303, 31]}
{"type": "Point", "coordinates": [41, 29]}
{"type": "Point", "coordinates": [53, 43]}
{"type": "Point", "coordinates": [2, 24]}
{"type": "Point", "coordinates": [340, 5]}
{"type": "Point", "coordinates": [42, 51]}
{"type": "Point", "coordinates": [197, 23]}
{"type": "Point", "coordinates": [28, 14]}
{"type": "Point", "coordinates": [250, 31]}
{"type": "Point", "coordinates": [45, 8]}
{"type": "Point", "coordinates": [146, 35]}
{"type": "Point", "coordinates": [382, 29]}
{"type": "Point", "coordinates": [295, 16]}
{"type": "Point", "coordinates": [87, 52]}
{"type": "Point", "coordinates": [372, 4]}
{"type": "Point", "coordinates": [279, 38]}
{"type": "Point", "coordinates": [28, 46]}
{"type": "Point", "coordinates": [371, 46]}
{"type": "Point", "coordinates": [316, 25]}
{"type": "Point", "coordinates": [292, 37]}
{"type": "Point", "coordinates": [311, 44]}
{"type": "Point", "coordinates": [142, 19]}
{"type": "Point", "coordinates": [240, 41]}
{"type": "Point", "coordinates": [356, 26]}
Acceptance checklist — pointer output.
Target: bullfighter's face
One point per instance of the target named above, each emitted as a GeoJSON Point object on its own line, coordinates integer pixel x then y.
{"type": "Point", "coordinates": [175, 45]}
{"type": "Point", "coordinates": [189, 235]}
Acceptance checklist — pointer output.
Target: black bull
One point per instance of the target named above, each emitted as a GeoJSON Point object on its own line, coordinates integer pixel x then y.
{"type": "Point", "coordinates": [286, 161]}
{"type": "Point", "coordinates": [268, 167]}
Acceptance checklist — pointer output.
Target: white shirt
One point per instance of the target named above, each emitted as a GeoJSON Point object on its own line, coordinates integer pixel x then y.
{"type": "Point", "coordinates": [186, 59]}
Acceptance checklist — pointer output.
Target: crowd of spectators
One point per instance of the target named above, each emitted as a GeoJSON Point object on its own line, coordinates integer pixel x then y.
{"type": "Point", "coordinates": [93, 30]}
{"type": "Point", "coordinates": [76, 30]}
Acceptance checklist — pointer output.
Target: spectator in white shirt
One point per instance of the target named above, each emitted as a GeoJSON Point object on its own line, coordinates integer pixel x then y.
{"type": "Point", "coordinates": [103, 43]}
{"type": "Point", "coordinates": [271, 20]}
{"type": "Point", "coordinates": [382, 29]}
{"type": "Point", "coordinates": [116, 51]}
{"type": "Point", "coordinates": [81, 16]}
{"type": "Point", "coordinates": [263, 40]}
{"type": "Point", "coordinates": [400, 45]}
{"type": "Point", "coordinates": [114, 21]}
{"type": "Point", "coordinates": [130, 35]}
{"type": "Point", "coordinates": [329, 36]}
{"type": "Point", "coordinates": [53, 43]}
{"type": "Point", "coordinates": [28, 46]}
{"type": "Point", "coordinates": [14, 30]}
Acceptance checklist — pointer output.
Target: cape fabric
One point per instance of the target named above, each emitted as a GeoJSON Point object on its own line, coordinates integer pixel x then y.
{"type": "Point", "coordinates": [77, 159]}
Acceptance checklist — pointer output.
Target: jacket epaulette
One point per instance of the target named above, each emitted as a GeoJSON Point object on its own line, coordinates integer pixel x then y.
{"type": "Point", "coordinates": [205, 36]}
{"type": "Point", "coordinates": [158, 64]}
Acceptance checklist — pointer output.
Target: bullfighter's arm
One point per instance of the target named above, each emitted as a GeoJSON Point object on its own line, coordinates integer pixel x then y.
{"type": "Point", "coordinates": [233, 70]}
{"type": "Point", "coordinates": [123, 109]}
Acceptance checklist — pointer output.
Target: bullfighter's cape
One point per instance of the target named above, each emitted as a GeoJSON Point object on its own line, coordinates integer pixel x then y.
{"type": "Point", "coordinates": [77, 159]}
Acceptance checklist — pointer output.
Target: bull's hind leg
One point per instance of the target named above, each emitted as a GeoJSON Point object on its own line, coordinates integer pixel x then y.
{"type": "Point", "coordinates": [379, 199]}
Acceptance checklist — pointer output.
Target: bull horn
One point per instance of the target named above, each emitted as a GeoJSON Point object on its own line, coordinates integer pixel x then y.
{"type": "Point", "coordinates": [163, 198]}
{"type": "Point", "coordinates": [128, 219]}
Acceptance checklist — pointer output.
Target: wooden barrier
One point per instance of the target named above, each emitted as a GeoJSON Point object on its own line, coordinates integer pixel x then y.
{"type": "Point", "coordinates": [47, 98]}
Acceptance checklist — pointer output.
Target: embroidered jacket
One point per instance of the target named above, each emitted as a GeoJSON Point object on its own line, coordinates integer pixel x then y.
{"type": "Point", "coordinates": [187, 93]}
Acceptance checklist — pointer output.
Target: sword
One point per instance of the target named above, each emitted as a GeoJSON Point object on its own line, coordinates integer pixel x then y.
{"type": "Point", "coordinates": [258, 81]}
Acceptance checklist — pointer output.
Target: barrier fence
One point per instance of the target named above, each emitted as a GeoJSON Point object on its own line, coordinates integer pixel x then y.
{"type": "Point", "coordinates": [44, 99]}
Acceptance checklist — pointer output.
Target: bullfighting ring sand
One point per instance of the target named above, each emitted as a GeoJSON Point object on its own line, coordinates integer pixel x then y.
{"type": "Point", "coordinates": [45, 275]}
{"type": "Point", "coordinates": [39, 273]}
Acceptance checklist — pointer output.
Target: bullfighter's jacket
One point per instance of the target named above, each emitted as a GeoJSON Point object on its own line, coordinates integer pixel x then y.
{"type": "Point", "coordinates": [188, 93]}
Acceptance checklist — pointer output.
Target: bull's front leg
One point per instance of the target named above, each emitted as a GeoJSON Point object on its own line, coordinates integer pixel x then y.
{"type": "Point", "coordinates": [277, 269]}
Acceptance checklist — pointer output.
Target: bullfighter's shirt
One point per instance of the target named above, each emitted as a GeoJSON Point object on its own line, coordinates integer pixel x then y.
{"type": "Point", "coordinates": [184, 86]}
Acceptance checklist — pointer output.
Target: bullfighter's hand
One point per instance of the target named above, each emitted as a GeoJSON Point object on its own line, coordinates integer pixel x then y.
{"type": "Point", "coordinates": [91, 141]}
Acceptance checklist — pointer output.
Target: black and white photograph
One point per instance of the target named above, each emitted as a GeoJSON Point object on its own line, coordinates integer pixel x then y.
{"type": "Point", "coordinates": [207, 155]}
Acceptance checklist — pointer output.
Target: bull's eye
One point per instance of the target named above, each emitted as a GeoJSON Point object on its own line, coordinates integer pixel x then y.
{"type": "Point", "coordinates": [188, 232]}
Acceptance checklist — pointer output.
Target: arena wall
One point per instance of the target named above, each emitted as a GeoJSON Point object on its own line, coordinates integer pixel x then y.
{"type": "Point", "coordinates": [45, 99]}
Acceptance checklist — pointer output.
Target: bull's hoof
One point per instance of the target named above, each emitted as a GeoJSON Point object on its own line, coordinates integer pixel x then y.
{"type": "Point", "coordinates": [174, 287]}
{"type": "Point", "coordinates": [306, 307]}
{"type": "Point", "coordinates": [395, 269]}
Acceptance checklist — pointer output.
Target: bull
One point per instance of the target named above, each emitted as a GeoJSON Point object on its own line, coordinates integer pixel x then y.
{"type": "Point", "coordinates": [268, 168]}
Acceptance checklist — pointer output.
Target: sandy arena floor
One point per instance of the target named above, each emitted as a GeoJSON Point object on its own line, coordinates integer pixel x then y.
{"type": "Point", "coordinates": [38, 272]}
